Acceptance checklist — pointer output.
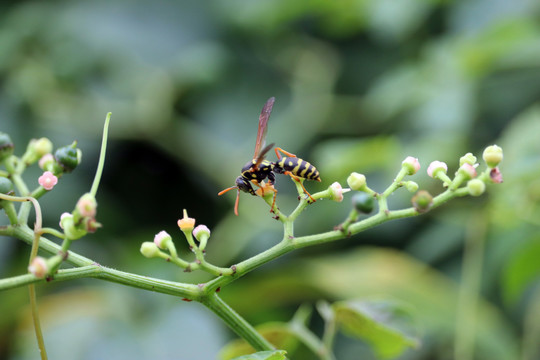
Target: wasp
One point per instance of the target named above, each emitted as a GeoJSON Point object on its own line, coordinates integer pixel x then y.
{"type": "Point", "coordinates": [260, 169]}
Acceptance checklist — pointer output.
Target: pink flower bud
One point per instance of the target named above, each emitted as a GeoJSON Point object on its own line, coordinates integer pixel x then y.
{"type": "Point", "coordinates": [45, 161]}
{"type": "Point", "coordinates": [336, 192]}
{"type": "Point", "coordinates": [87, 205]}
{"type": "Point", "coordinates": [411, 164]}
{"type": "Point", "coordinates": [200, 231]}
{"type": "Point", "coordinates": [435, 167]}
{"type": "Point", "coordinates": [468, 170]}
{"type": "Point", "coordinates": [161, 239]}
{"type": "Point", "coordinates": [47, 180]}
{"type": "Point", "coordinates": [39, 267]}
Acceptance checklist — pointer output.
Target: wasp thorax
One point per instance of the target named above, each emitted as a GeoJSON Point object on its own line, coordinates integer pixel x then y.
{"type": "Point", "coordinates": [248, 166]}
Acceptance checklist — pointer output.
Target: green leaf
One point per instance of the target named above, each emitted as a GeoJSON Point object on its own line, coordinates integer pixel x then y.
{"type": "Point", "coordinates": [521, 271]}
{"type": "Point", "coordinates": [277, 333]}
{"type": "Point", "coordinates": [384, 325]}
{"type": "Point", "coordinates": [265, 355]}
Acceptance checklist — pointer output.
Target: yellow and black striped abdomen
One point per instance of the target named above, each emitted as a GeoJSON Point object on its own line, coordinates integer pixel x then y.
{"type": "Point", "coordinates": [298, 167]}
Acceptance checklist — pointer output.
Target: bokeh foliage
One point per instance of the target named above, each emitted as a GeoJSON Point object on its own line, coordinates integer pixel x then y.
{"type": "Point", "coordinates": [360, 84]}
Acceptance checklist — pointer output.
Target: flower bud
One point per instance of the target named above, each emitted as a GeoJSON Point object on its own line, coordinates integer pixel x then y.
{"type": "Point", "coordinates": [200, 232]}
{"type": "Point", "coordinates": [363, 202]}
{"type": "Point", "coordinates": [47, 162]}
{"type": "Point", "coordinates": [476, 187]}
{"type": "Point", "coordinates": [435, 167]}
{"type": "Point", "coordinates": [87, 205]}
{"type": "Point", "coordinates": [149, 249]}
{"type": "Point", "coordinates": [68, 157]}
{"type": "Point", "coordinates": [411, 186]}
{"type": "Point", "coordinates": [186, 224]}
{"type": "Point", "coordinates": [422, 201]}
{"type": "Point", "coordinates": [356, 181]}
{"type": "Point", "coordinates": [71, 231]}
{"type": "Point", "coordinates": [39, 267]}
{"type": "Point", "coordinates": [467, 171]}
{"type": "Point", "coordinates": [336, 192]}
{"type": "Point", "coordinates": [411, 164]}
{"type": "Point", "coordinates": [493, 155]}
{"type": "Point", "coordinates": [48, 180]}
{"type": "Point", "coordinates": [6, 146]}
{"type": "Point", "coordinates": [36, 149]}
{"type": "Point", "coordinates": [468, 158]}
{"type": "Point", "coordinates": [161, 239]}
{"type": "Point", "coordinates": [6, 186]}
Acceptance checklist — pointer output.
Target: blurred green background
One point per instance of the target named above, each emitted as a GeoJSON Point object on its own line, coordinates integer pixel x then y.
{"type": "Point", "coordinates": [359, 85]}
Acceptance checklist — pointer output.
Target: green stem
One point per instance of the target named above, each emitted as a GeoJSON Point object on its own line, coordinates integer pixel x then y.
{"type": "Point", "coordinates": [101, 162]}
{"type": "Point", "coordinates": [9, 208]}
{"type": "Point", "coordinates": [36, 322]}
{"type": "Point", "coordinates": [470, 288]}
{"type": "Point", "coordinates": [240, 326]}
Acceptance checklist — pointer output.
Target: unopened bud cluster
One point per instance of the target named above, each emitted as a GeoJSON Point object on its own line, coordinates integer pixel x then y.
{"type": "Point", "coordinates": [82, 219]}
{"type": "Point", "coordinates": [164, 241]}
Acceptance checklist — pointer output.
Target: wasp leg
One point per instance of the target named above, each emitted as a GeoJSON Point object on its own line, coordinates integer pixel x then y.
{"type": "Point", "coordinates": [286, 153]}
{"type": "Point", "coordinates": [299, 180]}
{"type": "Point", "coordinates": [272, 181]}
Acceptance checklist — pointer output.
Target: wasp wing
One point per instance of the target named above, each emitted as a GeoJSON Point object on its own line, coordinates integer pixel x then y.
{"type": "Point", "coordinates": [260, 157]}
{"type": "Point", "coordinates": [263, 127]}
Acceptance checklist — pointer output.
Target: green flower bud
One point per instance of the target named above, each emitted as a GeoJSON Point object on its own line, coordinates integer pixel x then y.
{"type": "Point", "coordinates": [476, 187]}
{"type": "Point", "coordinates": [149, 249]}
{"type": "Point", "coordinates": [493, 155]}
{"type": "Point", "coordinates": [6, 146]}
{"type": "Point", "coordinates": [468, 158]}
{"type": "Point", "coordinates": [36, 149]}
{"type": "Point", "coordinates": [411, 186]}
{"type": "Point", "coordinates": [68, 157]}
{"type": "Point", "coordinates": [422, 201]}
{"type": "Point", "coordinates": [363, 202]}
{"type": "Point", "coordinates": [6, 186]}
{"type": "Point", "coordinates": [356, 181]}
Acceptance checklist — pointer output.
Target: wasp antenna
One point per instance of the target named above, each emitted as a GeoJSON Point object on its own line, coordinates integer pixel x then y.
{"type": "Point", "coordinates": [236, 203]}
{"type": "Point", "coordinates": [227, 189]}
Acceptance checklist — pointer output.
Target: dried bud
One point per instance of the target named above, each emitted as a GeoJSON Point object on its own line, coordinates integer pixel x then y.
{"type": "Point", "coordinates": [496, 175]}
{"type": "Point", "coordinates": [422, 201]}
